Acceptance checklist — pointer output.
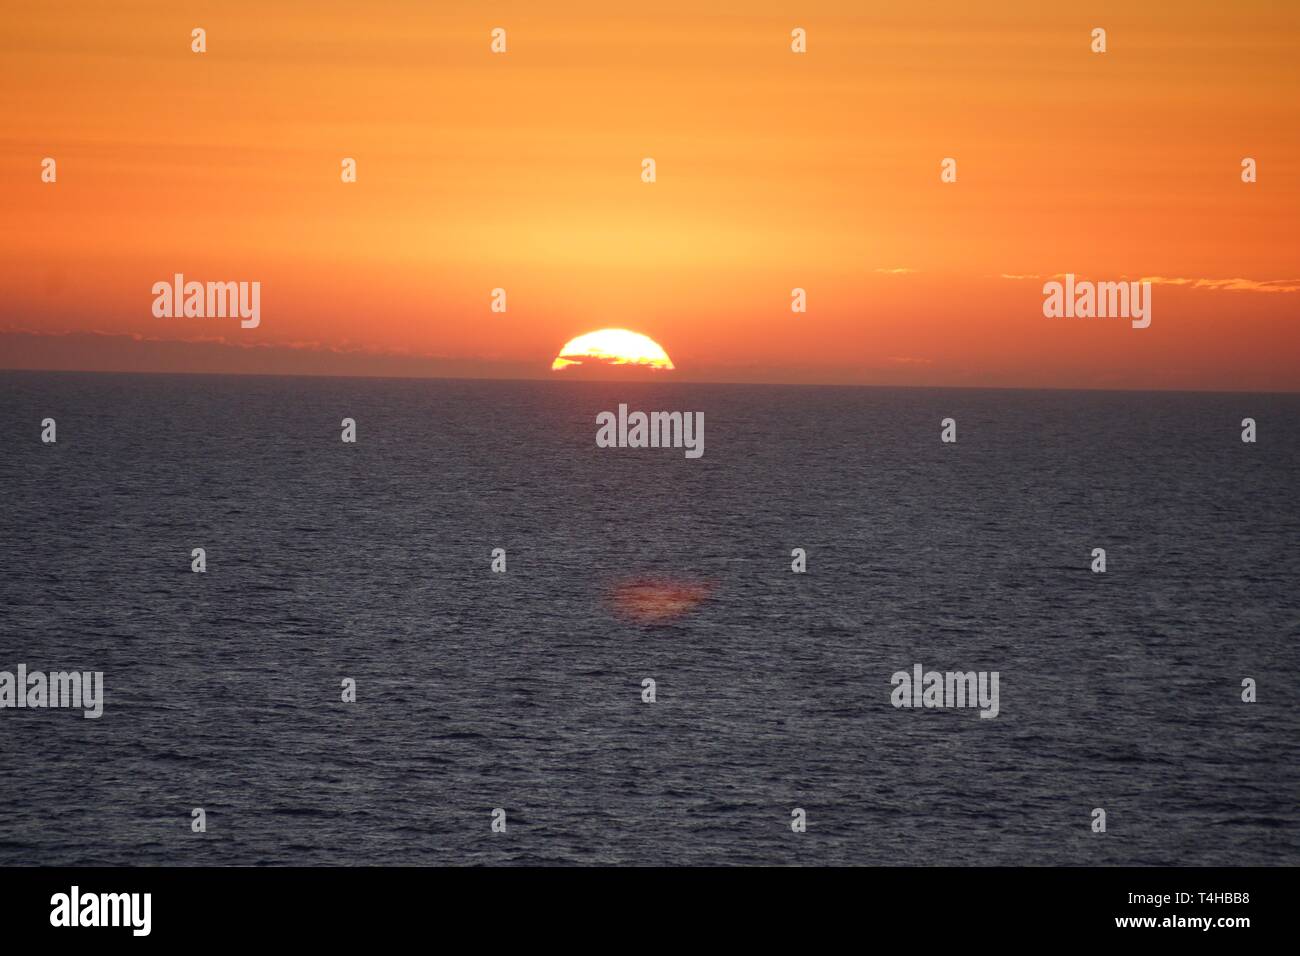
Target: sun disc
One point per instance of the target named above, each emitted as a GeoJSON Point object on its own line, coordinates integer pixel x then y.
{"type": "Point", "coordinates": [613, 347]}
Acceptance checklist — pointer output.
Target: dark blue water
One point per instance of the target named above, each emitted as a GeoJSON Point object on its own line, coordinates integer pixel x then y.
{"type": "Point", "coordinates": [523, 690]}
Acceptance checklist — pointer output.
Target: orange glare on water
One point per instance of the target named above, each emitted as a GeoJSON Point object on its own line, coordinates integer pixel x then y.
{"type": "Point", "coordinates": [658, 600]}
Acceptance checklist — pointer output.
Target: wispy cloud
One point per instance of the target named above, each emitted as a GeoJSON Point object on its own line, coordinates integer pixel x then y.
{"type": "Point", "coordinates": [1229, 285]}
{"type": "Point", "coordinates": [346, 347]}
{"type": "Point", "coordinates": [900, 271]}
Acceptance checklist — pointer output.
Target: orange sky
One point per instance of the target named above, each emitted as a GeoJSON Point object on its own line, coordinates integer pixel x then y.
{"type": "Point", "coordinates": [775, 170]}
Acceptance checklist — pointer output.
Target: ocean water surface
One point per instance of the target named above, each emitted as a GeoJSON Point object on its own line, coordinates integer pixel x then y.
{"type": "Point", "coordinates": [523, 690]}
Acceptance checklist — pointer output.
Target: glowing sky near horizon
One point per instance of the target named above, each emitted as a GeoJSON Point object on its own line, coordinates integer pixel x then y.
{"type": "Point", "coordinates": [775, 170]}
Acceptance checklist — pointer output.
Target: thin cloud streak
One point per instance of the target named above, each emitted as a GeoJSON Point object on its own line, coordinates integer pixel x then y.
{"type": "Point", "coordinates": [1229, 285]}
{"type": "Point", "coordinates": [1217, 285]}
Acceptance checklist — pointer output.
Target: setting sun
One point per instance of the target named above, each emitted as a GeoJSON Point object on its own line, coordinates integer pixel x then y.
{"type": "Point", "coordinates": [613, 347]}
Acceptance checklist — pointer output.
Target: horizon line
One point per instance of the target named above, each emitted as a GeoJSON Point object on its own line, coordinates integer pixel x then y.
{"type": "Point", "coordinates": [644, 381]}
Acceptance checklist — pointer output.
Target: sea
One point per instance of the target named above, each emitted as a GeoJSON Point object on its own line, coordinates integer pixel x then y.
{"type": "Point", "coordinates": [502, 713]}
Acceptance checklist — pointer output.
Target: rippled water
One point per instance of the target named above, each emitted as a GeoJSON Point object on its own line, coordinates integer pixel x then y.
{"type": "Point", "coordinates": [523, 690]}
